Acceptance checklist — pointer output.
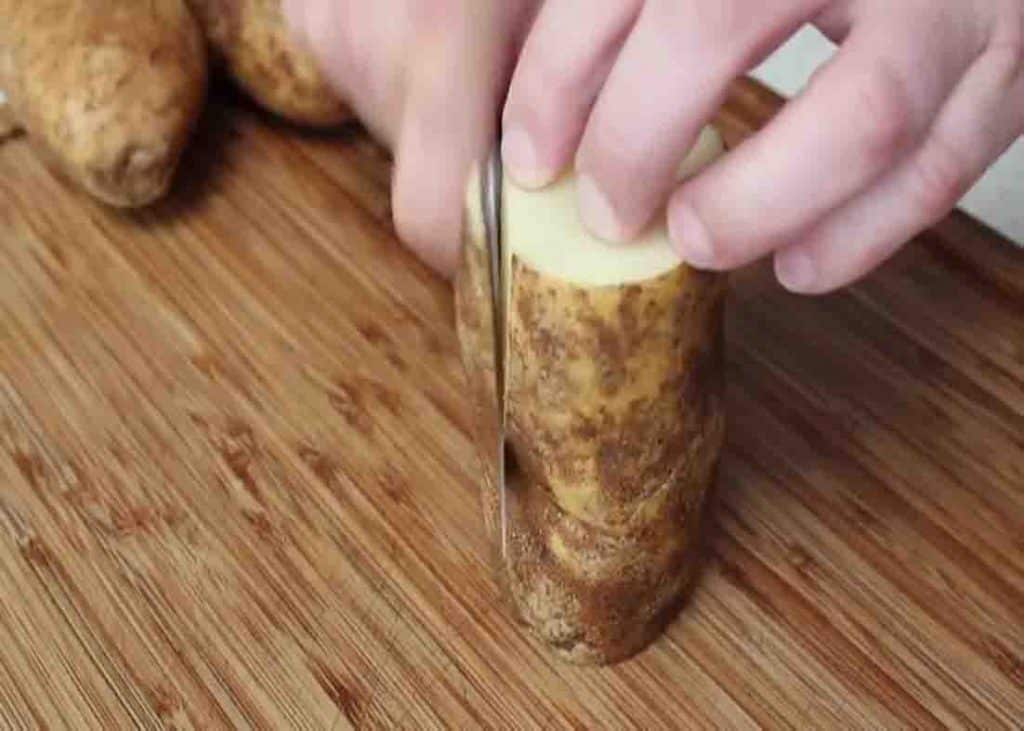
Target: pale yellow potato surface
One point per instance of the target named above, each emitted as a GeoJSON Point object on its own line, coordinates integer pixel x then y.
{"type": "Point", "coordinates": [545, 231]}
{"type": "Point", "coordinates": [108, 90]}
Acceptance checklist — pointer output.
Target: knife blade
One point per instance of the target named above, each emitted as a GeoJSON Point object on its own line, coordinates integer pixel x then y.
{"type": "Point", "coordinates": [490, 202]}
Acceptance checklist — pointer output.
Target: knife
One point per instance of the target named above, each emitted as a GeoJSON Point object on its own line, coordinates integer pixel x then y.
{"type": "Point", "coordinates": [490, 202]}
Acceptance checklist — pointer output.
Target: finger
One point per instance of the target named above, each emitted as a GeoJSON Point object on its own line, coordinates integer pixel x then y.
{"type": "Point", "coordinates": [563, 62]}
{"type": "Point", "coordinates": [860, 115]}
{"type": "Point", "coordinates": [669, 80]}
{"type": "Point", "coordinates": [982, 118]}
{"type": "Point", "coordinates": [447, 124]}
{"type": "Point", "coordinates": [359, 48]}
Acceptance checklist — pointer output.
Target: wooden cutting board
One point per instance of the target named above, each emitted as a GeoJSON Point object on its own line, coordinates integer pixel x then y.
{"type": "Point", "coordinates": [238, 488]}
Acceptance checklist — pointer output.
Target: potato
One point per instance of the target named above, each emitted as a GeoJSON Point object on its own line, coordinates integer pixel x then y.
{"type": "Point", "coordinates": [108, 90]}
{"type": "Point", "coordinates": [250, 40]}
{"type": "Point", "coordinates": [614, 414]}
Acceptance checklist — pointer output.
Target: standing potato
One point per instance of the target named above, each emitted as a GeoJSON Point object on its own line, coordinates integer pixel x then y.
{"type": "Point", "coordinates": [108, 90]}
{"type": "Point", "coordinates": [250, 39]}
{"type": "Point", "coordinates": [614, 415]}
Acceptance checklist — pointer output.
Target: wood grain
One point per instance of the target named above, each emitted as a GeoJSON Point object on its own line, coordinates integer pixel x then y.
{"type": "Point", "coordinates": [238, 485]}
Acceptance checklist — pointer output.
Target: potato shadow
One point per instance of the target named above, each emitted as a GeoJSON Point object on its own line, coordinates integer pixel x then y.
{"type": "Point", "coordinates": [214, 142]}
{"type": "Point", "coordinates": [202, 164]}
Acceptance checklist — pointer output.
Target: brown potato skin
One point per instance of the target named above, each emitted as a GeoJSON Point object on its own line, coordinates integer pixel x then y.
{"type": "Point", "coordinates": [250, 39]}
{"type": "Point", "coordinates": [615, 396]}
{"type": "Point", "coordinates": [108, 90]}
{"type": "Point", "coordinates": [616, 419]}
{"type": "Point", "coordinates": [612, 388]}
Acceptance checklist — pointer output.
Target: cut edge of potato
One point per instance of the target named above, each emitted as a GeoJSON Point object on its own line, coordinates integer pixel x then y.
{"type": "Point", "coordinates": [548, 236]}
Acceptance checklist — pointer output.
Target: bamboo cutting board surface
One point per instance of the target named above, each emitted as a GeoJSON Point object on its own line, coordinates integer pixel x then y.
{"type": "Point", "coordinates": [238, 488]}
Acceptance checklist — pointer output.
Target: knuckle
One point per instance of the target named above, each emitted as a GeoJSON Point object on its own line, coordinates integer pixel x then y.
{"type": "Point", "coordinates": [545, 79]}
{"type": "Point", "coordinates": [547, 95]}
{"type": "Point", "coordinates": [939, 179]}
{"type": "Point", "coordinates": [882, 103]}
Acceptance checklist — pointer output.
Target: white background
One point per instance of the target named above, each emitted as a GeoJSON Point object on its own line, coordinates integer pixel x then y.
{"type": "Point", "coordinates": [997, 199]}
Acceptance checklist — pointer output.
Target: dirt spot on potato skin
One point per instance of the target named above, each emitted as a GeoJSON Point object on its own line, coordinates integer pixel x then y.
{"type": "Point", "coordinates": [578, 356]}
{"type": "Point", "coordinates": [652, 436]}
{"type": "Point", "coordinates": [635, 457]}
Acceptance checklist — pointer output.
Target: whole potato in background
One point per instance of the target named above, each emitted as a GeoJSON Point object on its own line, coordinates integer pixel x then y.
{"type": "Point", "coordinates": [612, 380]}
{"type": "Point", "coordinates": [108, 90]}
{"type": "Point", "coordinates": [250, 39]}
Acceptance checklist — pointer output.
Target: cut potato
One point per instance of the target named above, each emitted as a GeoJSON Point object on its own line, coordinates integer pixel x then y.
{"type": "Point", "coordinates": [545, 232]}
{"type": "Point", "coordinates": [613, 413]}
{"type": "Point", "coordinates": [108, 90]}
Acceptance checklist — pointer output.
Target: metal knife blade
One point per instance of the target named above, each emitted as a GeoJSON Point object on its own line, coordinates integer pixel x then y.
{"type": "Point", "coordinates": [491, 190]}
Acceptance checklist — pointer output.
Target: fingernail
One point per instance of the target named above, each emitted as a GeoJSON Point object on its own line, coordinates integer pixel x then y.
{"type": "Point", "coordinates": [595, 210]}
{"type": "Point", "coordinates": [520, 155]}
{"type": "Point", "coordinates": [795, 271]}
{"type": "Point", "coordinates": [691, 237]}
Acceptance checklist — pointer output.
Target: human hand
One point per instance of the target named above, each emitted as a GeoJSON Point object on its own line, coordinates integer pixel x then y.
{"type": "Point", "coordinates": [920, 98]}
{"type": "Point", "coordinates": [426, 78]}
